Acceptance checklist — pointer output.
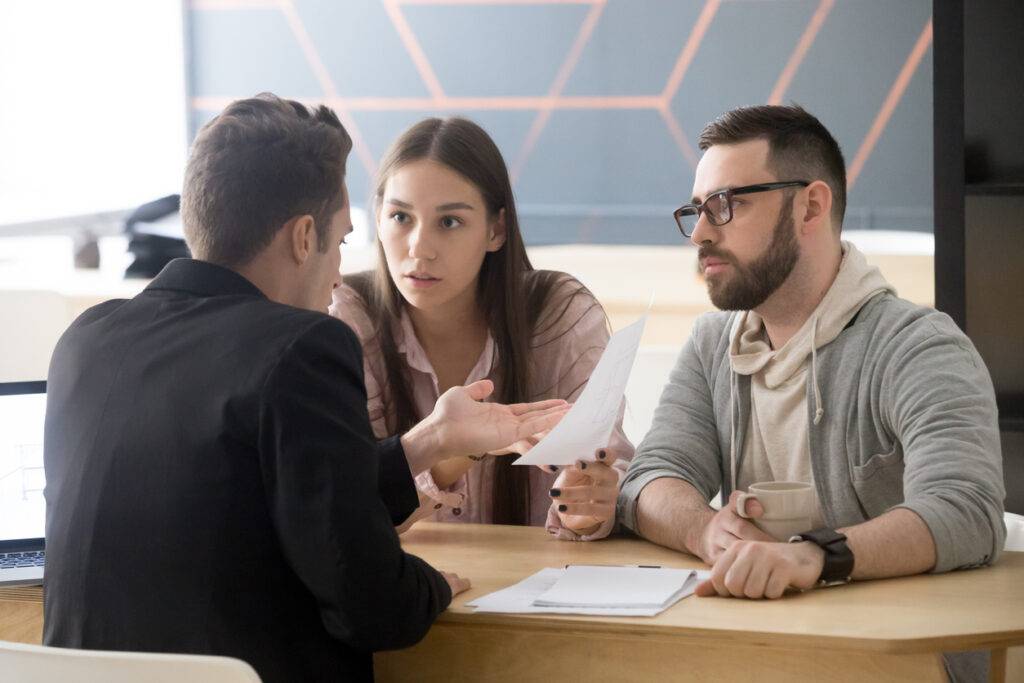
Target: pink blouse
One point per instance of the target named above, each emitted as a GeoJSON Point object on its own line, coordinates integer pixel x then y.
{"type": "Point", "coordinates": [566, 353]}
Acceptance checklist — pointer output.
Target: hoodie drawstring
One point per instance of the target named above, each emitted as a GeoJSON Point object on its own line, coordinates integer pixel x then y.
{"type": "Point", "coordinates": [818, 410]}
{"type": "Point", "coordinates": [733, 409]}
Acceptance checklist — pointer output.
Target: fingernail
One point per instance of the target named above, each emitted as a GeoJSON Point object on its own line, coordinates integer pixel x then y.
{"type": "Point", "coordinates": [552, 468]}
{"type": "Point", "coordinates": [555, 493]}
{"type": "Point", "coordinates": [563, 508]}
{"type": "Point", "coordinates": [583, 465]}
{"type": "Point", "coordinates": [602, 454]}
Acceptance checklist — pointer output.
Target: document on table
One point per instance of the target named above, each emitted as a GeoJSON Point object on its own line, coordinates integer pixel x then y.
{"type": "Point", "coordinates": [588, 425]}
{"type": "Point", "coordinates": [599, 591]}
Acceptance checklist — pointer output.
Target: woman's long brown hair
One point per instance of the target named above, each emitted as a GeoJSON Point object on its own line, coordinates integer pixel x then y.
{"type": "Point", "coordinates": [510, 293]}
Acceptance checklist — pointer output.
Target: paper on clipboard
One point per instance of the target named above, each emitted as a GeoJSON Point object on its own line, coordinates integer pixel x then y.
{"type": "Point", "coordinates": [588, 425]}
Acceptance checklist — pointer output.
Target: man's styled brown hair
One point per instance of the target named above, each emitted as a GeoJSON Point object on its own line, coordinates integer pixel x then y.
{"type": "Point", "coordinates": [800, 147]}
{"type": "Point", "coordinates": [258, 164]}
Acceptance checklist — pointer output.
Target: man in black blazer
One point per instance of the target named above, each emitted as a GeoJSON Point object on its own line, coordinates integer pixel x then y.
{"type": "Point", "coordinates": [213, 485]}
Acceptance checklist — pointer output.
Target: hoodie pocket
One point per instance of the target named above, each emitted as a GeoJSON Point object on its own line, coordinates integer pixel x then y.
{"type": "Point", "coordinates": [879, 481]}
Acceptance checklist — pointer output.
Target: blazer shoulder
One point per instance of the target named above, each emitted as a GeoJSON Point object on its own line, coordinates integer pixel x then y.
{"type": "Point", "coordinates": [98, 312]}
{"type": "Point", "coordinates": [297, 328]}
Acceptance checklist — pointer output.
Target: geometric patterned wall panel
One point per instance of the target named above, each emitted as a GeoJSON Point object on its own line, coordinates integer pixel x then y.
{"type": "Point", "coordinates": [596, 104]}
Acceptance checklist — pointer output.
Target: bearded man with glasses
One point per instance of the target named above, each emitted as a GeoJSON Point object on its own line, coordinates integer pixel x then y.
{"type": "Point", "coordinates": [814, 371]}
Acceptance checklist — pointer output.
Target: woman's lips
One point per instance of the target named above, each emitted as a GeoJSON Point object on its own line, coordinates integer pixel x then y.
{"type": "Point", "coordinates": [421, 280]}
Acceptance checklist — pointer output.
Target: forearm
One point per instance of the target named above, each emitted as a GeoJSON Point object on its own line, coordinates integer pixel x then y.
{"type": "Point", "coordinates": [897, 543]}
{"type": "Point", "coordinates": [447, 472]}
{"type": "Point", "coordinates": [422, 446]}
{"type": "Point", "coordinates": [672, 513]}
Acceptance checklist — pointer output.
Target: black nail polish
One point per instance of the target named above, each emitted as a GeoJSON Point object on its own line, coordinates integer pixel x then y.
{"type": "Point", "coordinates": [555, 493]}
{"type": "Point", "coordinates": [563, 508]}
{"type": "Point", "coordinates": [602, 454]}
{"type": "Point", "coordinates": [583, 465]}
{"type": "Point", "coordinates": [552, 468]}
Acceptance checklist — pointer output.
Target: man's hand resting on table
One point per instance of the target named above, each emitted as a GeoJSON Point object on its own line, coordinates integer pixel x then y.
{"type": "Point", "coordinates": [725, 527]}
{"type": "Point", "coordinates": [761, 569]}
{"type": "Point", "coordinates": [748, 563]}
{"type": "Point", "coordinates": [456, 583]}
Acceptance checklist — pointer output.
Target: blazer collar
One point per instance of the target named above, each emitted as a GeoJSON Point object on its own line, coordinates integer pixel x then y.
{"type": "Point", "coordinates": [203, 278]}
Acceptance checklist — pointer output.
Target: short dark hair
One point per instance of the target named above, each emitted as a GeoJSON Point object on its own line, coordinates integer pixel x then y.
{"type": "Point", "coordinates": [800, 147]}
{"type": "Point", "coordinates": [259, 163]}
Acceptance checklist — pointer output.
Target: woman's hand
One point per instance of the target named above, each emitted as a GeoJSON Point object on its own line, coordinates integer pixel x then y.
{"type": "Point", "coordinates": [585, 494]}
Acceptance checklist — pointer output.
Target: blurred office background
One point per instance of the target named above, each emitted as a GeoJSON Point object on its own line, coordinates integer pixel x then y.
{"type": "Point", "coordinates": [596, 105]}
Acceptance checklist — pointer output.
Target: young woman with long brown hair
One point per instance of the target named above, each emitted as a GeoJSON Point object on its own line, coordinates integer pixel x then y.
{"type": "Point", "coordinates": [454, 299]}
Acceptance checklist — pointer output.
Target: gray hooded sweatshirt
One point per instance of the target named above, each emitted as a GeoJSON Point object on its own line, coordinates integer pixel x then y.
{"type": "Point", "coordinates": [908, 419]}
{"type": "Point", "coordinates": [777, 447]}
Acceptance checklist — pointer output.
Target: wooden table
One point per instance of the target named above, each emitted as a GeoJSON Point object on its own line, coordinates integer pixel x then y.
{"type": "Point", "coordinates": [879, 631]}
{"type": "Point", "coordinates": [887, 630]}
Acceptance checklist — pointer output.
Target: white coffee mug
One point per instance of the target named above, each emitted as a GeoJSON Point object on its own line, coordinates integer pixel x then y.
{"type": "Point", "coordinates": [788, 507]}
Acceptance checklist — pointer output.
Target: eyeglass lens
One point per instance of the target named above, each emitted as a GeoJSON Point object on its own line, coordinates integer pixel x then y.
{"type": "Point", "coordinates": [716, 207]}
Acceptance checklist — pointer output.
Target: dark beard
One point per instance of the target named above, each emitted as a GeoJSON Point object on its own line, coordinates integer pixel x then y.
{"type": "Point", "coordinates": [751, 285]}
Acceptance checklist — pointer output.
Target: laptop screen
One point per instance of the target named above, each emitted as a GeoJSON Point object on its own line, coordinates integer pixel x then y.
{"type": "Point", "coordinates": [22, 508]}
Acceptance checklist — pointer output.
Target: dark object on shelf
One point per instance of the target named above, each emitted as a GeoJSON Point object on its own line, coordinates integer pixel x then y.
{"type": "Point", "coordinates": [152, 246]}
{"type": "Point", "coordinates": [87, 250]}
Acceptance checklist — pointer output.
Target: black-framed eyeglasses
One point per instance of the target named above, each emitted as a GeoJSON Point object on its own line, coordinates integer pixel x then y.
{"type": "Point", "coordinates": [717, 206]}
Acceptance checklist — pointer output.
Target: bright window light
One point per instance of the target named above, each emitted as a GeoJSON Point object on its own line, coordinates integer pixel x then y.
{"type": "Point", "coordinates": [92, 106]}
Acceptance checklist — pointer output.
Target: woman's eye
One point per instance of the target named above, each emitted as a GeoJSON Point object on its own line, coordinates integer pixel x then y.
{"type": "Point", "coordinates": [450, 222]}
{"type": "Point", "coordinates": [399, 217]}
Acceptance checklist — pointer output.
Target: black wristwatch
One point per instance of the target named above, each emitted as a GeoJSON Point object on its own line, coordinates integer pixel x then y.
{"type": "Point", "coordinates": [838, 565]}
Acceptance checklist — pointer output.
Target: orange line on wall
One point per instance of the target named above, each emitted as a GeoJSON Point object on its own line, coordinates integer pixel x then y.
{"type": "Point", "coordinates": [676, 131]}
{"type": "Point", "coordinates": [690, 49]}
{"type": "Point", "coordinates": [573, 58]}
{"type": "Point", "coordinates": [539, 122]}
{"type": "Point", "coordinates": [412, 46]}
{"type": "Point", "coordinates": [233, 4]}
{"type": "Point", "coordinates": [323, 77]}
{"type": "Point", "coordinates": [892, 100]}
{"type": "Point", "coordinates": [499, 2]}
{"type": "Point", "coordinates": [800, 51]}
{"type": "Point", "coordinates": [458, 103]}
{"type": "Point", "coordinates": [561, 78]}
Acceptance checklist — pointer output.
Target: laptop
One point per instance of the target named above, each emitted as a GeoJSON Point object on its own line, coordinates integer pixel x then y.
{"type": "Point", "coordinates": [22, 507]}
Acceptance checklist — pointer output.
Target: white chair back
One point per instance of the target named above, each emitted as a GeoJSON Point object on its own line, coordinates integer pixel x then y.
{"type": "Point", "coordinates": [1014, 532]}
{"type": "Point", "coordinates": [21, 663]}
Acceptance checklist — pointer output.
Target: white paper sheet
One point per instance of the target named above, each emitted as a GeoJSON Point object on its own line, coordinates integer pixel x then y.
{"type": "Point", "coordinates": [618, 587]}
{"type": "Point", "coordinates": [519, 599]}
{"type": "Point", "coordinates": [588, 425]}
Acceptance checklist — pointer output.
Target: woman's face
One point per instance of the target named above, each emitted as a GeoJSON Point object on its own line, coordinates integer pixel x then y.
{"type": "Point", "coordinates": [434, 228]}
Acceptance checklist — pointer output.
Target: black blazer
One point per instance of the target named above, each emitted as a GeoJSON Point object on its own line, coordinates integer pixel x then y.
{"type": "Point", "coordinates": [213, 486]}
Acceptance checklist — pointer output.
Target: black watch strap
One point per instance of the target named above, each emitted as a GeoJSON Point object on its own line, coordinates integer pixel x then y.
{"type": "Point", "coordinates": [838, 565]}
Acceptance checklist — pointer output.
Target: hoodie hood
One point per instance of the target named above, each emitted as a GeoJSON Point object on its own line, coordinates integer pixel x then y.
{"type": "Point", "coordinates": [749, 350]}
{"type": "Point", "coordinates": [855, 283]}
